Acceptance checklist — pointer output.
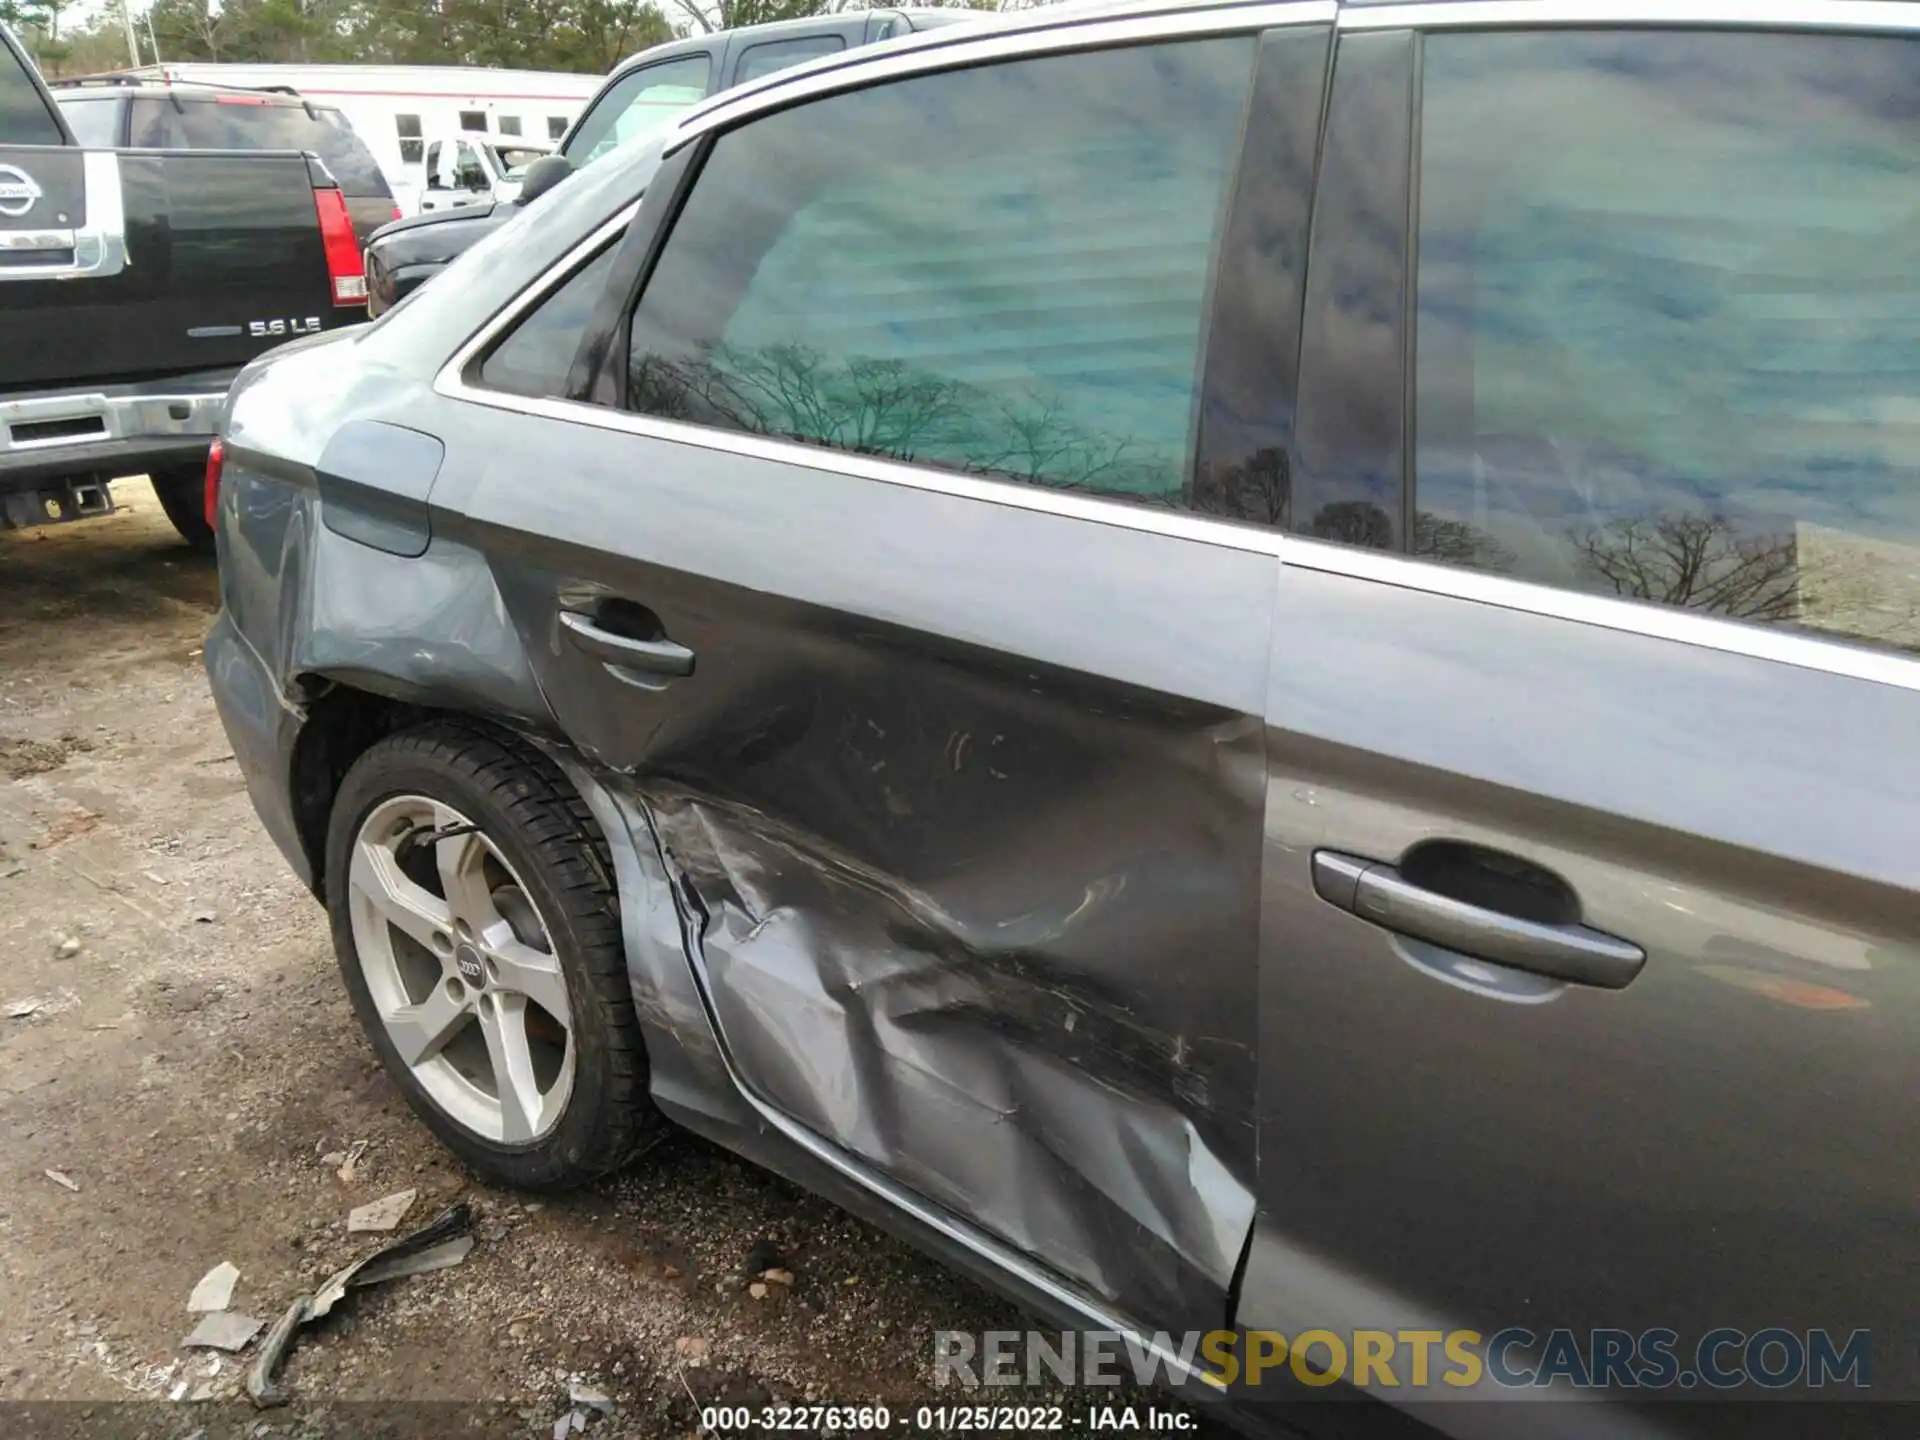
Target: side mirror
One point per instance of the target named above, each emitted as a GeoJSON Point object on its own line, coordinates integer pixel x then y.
{"type": "Point", "coordinates": [542, 175]}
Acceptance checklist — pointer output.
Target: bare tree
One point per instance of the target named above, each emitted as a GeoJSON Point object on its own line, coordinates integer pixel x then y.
{"type": "Point", "coordinates": [1701, 562]}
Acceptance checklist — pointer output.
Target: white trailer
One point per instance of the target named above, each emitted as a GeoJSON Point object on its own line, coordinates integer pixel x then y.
{"type": "Point", "coordinates": [396, 109]}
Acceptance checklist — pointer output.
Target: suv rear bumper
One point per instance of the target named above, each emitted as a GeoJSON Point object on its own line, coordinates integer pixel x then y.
{"type": "Point", "coordinates": [111, 430]}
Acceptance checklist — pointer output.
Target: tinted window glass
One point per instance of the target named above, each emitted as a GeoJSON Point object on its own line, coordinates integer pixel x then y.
{"type": "Point", "coordinates": [556, 126]}
{"type": "Point", "coordinates": [1012, 283]}
{"type": "Point", "coordinates": [535, 357]}
{"type": "Point", "coordinates": [780, 54]}
{"type": "Point", "coordinates": [509, 124]}
{"type": "Point", "coordinates": [638, 101]}
{"type": "Point", "coordinates": [348, 158]}
{"type": "Point", "coordinates": [1669, 325]}
{"type": "Point", "coordinates": [514, 159]}
{"type": "Point", "coordinates": [24, 118]}
{"type": "Point", "coordinates": [94, 119]}
{"type": "Point", "coordinates": [248, 124]}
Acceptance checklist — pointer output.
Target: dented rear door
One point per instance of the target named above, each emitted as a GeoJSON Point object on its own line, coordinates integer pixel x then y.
{"type": "Point", "coordinates": [960, 779]}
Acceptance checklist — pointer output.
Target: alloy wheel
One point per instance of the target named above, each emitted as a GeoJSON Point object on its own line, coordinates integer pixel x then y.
{"type": "Point", "coordinates": [461, 969]}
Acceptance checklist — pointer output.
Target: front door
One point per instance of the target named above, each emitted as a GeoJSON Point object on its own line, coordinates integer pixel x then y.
{"type": "Point", "coordinates": [881, 595]}
{"type": "Point", "coordinates": [1593, 848]}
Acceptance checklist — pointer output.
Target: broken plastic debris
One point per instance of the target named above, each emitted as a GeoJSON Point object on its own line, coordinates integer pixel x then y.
{"type": "Point", "coordinates": [215, 1290]}
{"type": "Point", "coordinates": [382, 1214]}
{"type": "Point", "coordinates": [587, 1395]}
{"type": "Point", "coordinates": [68, 947]}
{"type": "Point", "coordinates": [352, 1162]}
{"type": "Point", "coordinates": [778, 1277]}
{"type": "Point", "coordinates": [223, 1330]}
{"type": "Point", "coordinates": [61, 1178]}
{"type": "Point", "coordinates": [21, 1009]}
{"type": "Point", "coordinates": [424, 1262]}
{"type": "Point", "coordinates": [272, 1350]}
{"type": "Point", "coordinates": [437, 1246]}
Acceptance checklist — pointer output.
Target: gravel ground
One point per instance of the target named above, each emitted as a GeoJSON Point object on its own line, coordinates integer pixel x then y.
{"type": "Point", "coordinates": [192, 1062]}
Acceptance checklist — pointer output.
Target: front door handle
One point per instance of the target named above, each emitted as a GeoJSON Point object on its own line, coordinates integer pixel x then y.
{"type": "Point", "coordinates": [651, 657]}
{"type": "Point", "coordinates": [1378, 892]}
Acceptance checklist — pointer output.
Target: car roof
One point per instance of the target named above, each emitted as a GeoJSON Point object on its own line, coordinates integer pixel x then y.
{"type": "Point", "coordinates": [774, 29]}
{"type": "Point", "coordinates": [117, 83]}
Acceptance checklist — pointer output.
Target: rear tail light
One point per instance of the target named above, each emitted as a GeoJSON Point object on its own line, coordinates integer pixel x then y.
{"type": "Point", "coordinates": [396, 212]}
{"type": "Point", "coordinates": [343, 250]}
{"type": "Point", "coordinates": [216, 461]}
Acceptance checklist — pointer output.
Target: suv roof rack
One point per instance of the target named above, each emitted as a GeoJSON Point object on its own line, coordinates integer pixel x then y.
{"type": "Point", "coordinates": [132, 78]}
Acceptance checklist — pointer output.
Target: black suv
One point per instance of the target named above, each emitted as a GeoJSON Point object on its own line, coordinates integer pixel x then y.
{"type": "Point", "coordinates": [132, 112]}
{"type": "Point", "coordinates": [643, 91]}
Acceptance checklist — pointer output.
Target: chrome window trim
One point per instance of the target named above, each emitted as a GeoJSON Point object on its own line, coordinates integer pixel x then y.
{"type": "Point", "coordinates": [451, 375]}
{"type": "Point", "coordinates": [1633, 617]}
{"type": "Point", "coordinates": [1647, 618]}
{"type": "Point", "coordinates": [1865, 15]}
{"type": "Point", "coordinates": [943, 49]}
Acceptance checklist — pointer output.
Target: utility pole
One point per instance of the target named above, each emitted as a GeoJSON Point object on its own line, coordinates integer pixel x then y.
{"type": "Point", "coordinates": [133, 42]}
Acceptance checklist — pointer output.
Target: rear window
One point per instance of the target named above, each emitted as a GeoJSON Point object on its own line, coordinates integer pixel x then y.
{"type": "Point", "coordinates": [638, 101]}
{"type": "Point", "coordinates": [776, 55]}
{"type": "Point", "coordinates": [247, 123]}
{"type": "Point", "coordinates": [94, 119]}
{"type": "Point", "coordinates": [24, 117]}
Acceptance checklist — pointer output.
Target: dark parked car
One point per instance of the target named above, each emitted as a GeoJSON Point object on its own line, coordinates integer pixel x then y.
{"type": "Point", "coordinates": [645, 90]}
{"type": "Point", "coordinates": [133, 286]}
{"type": "Point", "coordinates": [134, 112]}
{"type": "Point", "coordinates": [1011, 629]}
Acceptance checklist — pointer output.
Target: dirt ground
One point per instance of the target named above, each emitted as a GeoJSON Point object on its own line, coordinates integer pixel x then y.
{"type": "Point", "coordinates": [190, 1058]}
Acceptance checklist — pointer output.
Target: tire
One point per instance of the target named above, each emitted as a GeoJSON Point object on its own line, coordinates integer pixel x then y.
{"type": "Point", "coordinates": [183, 495]}
{"type": "Point", "coordinates": [531, 828]}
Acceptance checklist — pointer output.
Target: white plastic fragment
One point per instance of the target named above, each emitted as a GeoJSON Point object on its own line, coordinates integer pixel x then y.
{"type": "Point", "coordinates": [381, 1214]}
{"type": "Point", "coordinates": [223, 1330]}
{"type": "Point", "coordinates": [215, 1290]}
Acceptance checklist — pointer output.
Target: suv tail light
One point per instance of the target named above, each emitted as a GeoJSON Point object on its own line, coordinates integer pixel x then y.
{"type": "Point", "coordinates": [343, 250]}
{"type": "Point", "coordinates": [216, 461]}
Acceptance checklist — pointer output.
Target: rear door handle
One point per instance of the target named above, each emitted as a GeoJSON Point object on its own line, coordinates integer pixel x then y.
{"type": "Point", "coordinates": [651, 657]}
{"type": "Point", "coordinates": [1381, 894]}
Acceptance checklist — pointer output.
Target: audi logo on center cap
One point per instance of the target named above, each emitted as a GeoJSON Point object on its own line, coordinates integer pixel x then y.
{"type": "Point", "coordinates": [18, 191]}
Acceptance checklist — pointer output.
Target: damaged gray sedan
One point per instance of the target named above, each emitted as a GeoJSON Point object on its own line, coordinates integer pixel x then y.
{"type": "Point", "coordinates": [904, 627]}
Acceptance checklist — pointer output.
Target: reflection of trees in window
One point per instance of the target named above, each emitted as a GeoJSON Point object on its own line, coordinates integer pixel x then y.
{"type": "Point", "coordinates": [1700, 562]}
{"type": "Point", "coordinates": [1260, 491]}
{"type": "Point", "coordinates": [1353, 522]}
{"type": "Point", "coordinates": [890, 408]}
{"type": "Point", "coordinates": [1454, 542]}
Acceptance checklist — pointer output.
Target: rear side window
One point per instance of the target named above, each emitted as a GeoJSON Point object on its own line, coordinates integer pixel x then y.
{"type": "Point", "coordinates": [94, 119]}
{"type": "Point", "coordinates": [1011, 284]}
{"type": "Point", "coordinates": [24, 117]}
{"type": "Point", "coordinates": [638, 101]}
{"type": "Point", "coordinates": [535, 358]}
{"type": "Point", "coordinates": [1668, 341]}
{"type": "Point", "coordinates": [776, 55]}
{"type": "Point", "coordinates": [245, 123]}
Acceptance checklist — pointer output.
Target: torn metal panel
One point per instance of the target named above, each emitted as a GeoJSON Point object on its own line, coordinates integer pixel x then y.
{"type": "Point", "coordinates": [983, 1064]}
